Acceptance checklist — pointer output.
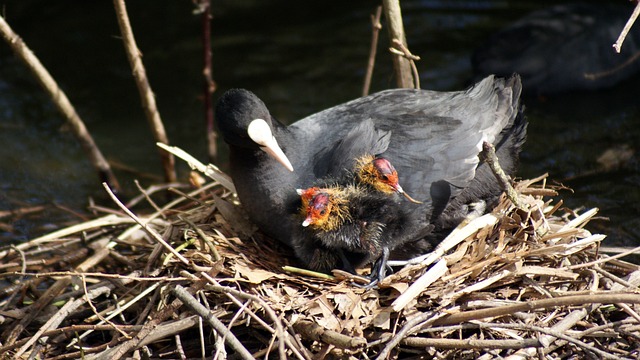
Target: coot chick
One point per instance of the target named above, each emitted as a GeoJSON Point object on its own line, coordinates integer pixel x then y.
{"type": "Point", "coordinates": [432, 138]}
{"type": "Point", "coordinates": [357, 224]}
{"type": "Point", "coordinates": [555, 49]}
{"type": "Point", "coordinates": [373, 181]}
{"type": "Point", "coordinates": [380, 175]}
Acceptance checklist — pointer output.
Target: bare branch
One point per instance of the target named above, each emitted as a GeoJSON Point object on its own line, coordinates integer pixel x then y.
{"type": "Point", "coordinates": [62, 103]}
{"type": "Point", "coordinates": [146, 94]}
{"type": "Point", "coordinates": [375, 33]}
{"type": "Point", "coordinates": [627, 27]}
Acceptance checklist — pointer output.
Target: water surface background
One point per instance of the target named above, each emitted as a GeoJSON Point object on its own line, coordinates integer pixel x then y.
{"type": "Point", "coordinates": [299, 57]}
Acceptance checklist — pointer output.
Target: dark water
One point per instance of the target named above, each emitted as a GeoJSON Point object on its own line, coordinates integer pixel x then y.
{"type": "Point", "coordinates": [299, 57]}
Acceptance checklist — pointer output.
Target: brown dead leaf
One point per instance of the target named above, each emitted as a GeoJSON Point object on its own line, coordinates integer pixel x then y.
{"type": "Point", "coordinates": [382, 320]}
{"type": "Point", "coordinates": [255, 275]}
{"type": "Point", "coordinates": [346, 303]}
{"type": "Point", "coordinates": [325, 316]}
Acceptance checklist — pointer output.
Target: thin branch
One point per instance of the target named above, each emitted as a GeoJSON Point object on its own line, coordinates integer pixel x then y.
{"type": "Point", "coordinates": [489, 154]}
{"type": "Point", "coordinates": [70, 330]}
{"type": "Point", "coordinates": [571, 300]}
{"type": "Point", "coordinates": [605, 73]}
{"type": "Point", "coordinates": [627, 27]}
{"type": "Point", "coordinates": [55, 289]}
{"type": "Point", "coordinates": [604, 260]}
{"type": "Point", "coordinates": [315, 332]}
{"type": "Point", "coordinates": [419, 320]}
{"type": "Point", "coordinates": [62, 314]}
{"type": "Point", "coordinates": [144, 226]}
{"type": "Point", "coordinates": [151, 323]}
{"type": "Point", "coordinates": [280, 333]}
{"type": "Point", "coordinates": [306, 272]}
{"type": "Point", "coordinates": [146, 94]}
{"type": "Point", "coordinates": [149, 200]}
{"type": "Point", "coordinates": [62, 103]}
{"type": "Point", "coordinates": [404, 52]}
{"type": "Point", "coordinates": [207, 71]}
{"type": "Point", "coordinates": [554, 333]}
{"type": "Point", "coordinates": [210, 170]}
{"type": "Point", "coordinates": [193, 304]}
{"type": "Point", "coordinates": [375, 33]}
{"type": "Point", "coordinates": [204, 237]}
{"type": "Point", "coordinates": [433, 319]}
{"type": "Point", "coordinates": [479, 344]}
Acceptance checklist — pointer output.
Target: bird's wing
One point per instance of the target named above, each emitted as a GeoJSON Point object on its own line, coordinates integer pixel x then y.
{"type": "Point", "coordinates": [363, 139]}
{"type": "Point", "coordinates": [435, 137]}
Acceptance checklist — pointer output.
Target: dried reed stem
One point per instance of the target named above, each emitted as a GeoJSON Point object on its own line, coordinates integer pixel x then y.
{"type": "Point", "coordinates": [62, 103]}
{"type": "Point", "coordinates": [375, 33]}
{"type": "Point", "coordinates": [146, 94]}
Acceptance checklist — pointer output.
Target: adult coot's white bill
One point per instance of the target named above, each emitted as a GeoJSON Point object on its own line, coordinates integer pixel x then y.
{"type": "Point", "coordinates": [432, 138]}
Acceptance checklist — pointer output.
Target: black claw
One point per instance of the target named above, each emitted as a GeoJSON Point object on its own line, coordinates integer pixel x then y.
{"type": "Point", "coordinates": [378, 270]}
{"type": "Point", "coordinates": [371, 285]}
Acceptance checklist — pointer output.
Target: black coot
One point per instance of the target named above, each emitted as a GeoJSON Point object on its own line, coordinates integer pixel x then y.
{"type": "Point", "coordinates": [563, 47]}
{"type": "Point", "coordinates": [432, 138]}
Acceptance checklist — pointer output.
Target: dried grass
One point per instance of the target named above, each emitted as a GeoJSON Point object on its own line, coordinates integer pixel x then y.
{"type": "Point", "coordinates": [515, 284]}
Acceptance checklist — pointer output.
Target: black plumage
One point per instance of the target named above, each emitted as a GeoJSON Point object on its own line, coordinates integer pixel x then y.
{"type": "Point", "coordinates": [358, 225]}
{"type": "Point", "coordinates": [432, 138]}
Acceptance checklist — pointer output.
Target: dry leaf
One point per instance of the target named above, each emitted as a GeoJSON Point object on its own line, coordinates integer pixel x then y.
{"type": "Point", "coordinates": [255, 275]}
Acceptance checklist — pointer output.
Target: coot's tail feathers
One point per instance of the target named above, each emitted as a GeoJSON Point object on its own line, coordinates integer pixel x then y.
{"type": "Point", "coordinates": [515, 83]}
{"type": "Point", "coordinates": [512, 138]}
{"type": "Point", "coordinates": [509, 91]}
{"type": "Point", "coordinates": [484, 189]}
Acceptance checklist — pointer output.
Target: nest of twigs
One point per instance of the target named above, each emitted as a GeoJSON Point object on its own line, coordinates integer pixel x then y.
{"type": "Point", "coordinates": [516, 283]}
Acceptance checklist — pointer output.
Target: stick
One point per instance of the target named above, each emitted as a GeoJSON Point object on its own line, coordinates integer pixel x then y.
{"type": "Point", "coordinates": [375, 33]}
{"type": "Point", "coordinates": [627, 27]}
{"type": "Point", "coordinates": [62, 103]}
{"type": "Point", "coordinates": [146, 95]}
{"type": "Point", "coordinates": [149, 230]}
{"type": "Point", "coordinates": [479, 344]}
{"type": "Point", "coordinates": [433, 319]}
{"type": "Point", "coordinates": [54, 290]}
{"type": "Point", "coordinates": [315, 332]}
{"type": "Point", "coordinates": [396, 31]}
{"type": "Point", "coordinates": [219, 327]}
{"type": "Point", "coordinates": [280, 333]}
{"type": "Point", "coordinates": [563, 325]}
{"type": "Point", "coordinates": [404, 52]}
{"type": "Point", "coordinates": [553, 333]}
{"type": "Point", "coordinates": [570, 300]}
{"type": "Point", "coordinates": [210, 170]}
{"type": "Point", "coordinates": [150, 324]}
{"type": "Point", "coordinates": [204, 7]}
{"type": "Point", "coordinates": [62, 314]}
{"type": "Point", "coordinates": [489, 154]}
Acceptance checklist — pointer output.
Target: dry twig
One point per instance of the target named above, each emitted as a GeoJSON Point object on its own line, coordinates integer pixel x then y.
{"type": "Point", "coordinates": [62, 103]}
{"type": "Point", "coordinates": [510, 268]}
{"type": "Point", "coordinates": [146, 94]}
{"type": "Point", "coordinates": [623, 34]}
{"type": "Point", "coordinates": [395, 27]}
{"type": "Point", "coordinates": [375, 32]}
